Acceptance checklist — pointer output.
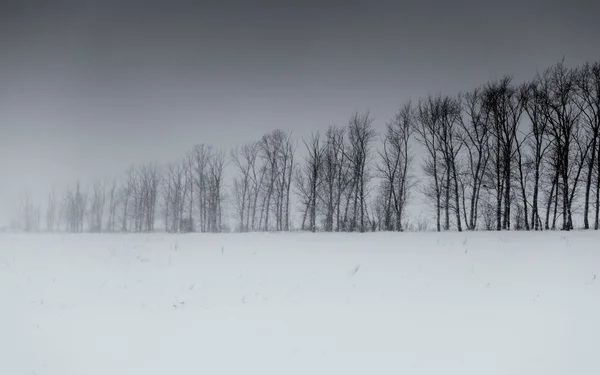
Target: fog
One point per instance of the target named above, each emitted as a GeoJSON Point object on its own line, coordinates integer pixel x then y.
{"type": "Point", "coordinates": [88, 88]}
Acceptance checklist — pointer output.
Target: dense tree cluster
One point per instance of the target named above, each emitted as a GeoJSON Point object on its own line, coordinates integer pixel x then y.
{"type": "Point", "coordinates": [503, 156]}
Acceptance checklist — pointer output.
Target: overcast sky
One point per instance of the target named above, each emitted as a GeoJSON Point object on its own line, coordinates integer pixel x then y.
{"type": "Point", "coordinates": [88, 87]}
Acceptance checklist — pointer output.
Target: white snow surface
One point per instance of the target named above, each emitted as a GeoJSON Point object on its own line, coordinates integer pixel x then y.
{"type": "Point", "coordinates": [300, 303]}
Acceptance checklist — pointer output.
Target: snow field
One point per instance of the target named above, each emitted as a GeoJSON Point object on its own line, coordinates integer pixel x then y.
{"type": "Point", "coordinates": [300, 303]}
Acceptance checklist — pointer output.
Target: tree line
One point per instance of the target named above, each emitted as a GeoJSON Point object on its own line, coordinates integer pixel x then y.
{"type": "Point", "coordinates": [503, 156]}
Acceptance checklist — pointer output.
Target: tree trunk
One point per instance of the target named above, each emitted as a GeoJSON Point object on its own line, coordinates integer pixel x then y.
{"type": "Point", "coordinates": [498, 188]}
{"type": "Point", "coordinates": [447, 199]}
{"type": "Point", "coordinates": [588, 183]}
{"type": "Point", "coordinates": [456, 198]}
{"type": "Point", "coordinates": [597, 216]}
{"type": "Point", "coordinates": [507, 191]}
{"type": "Point", "coordinates": [556, 195]}
{"type": "Point", "coordinates": [534, 211]}
{"type": "Point", "coordinates": [565, 198]}
{"type": "Point", "coordinates": [438, 195]}
{"type": "Point", "coordinates": [523, 191]}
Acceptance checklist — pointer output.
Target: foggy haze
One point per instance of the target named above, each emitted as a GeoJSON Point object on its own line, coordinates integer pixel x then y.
{"type": "Point", "coordinates": [87, 88]}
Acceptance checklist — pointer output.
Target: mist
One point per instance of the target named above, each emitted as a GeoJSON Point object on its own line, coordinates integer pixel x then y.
{"type": "Point", "coordinates": [89, 88]}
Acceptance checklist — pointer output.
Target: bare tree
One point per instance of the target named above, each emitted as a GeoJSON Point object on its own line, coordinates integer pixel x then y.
{"type": "Point", "coordinates": [125, 193]}
{"type": "Point", "coordinates": [500, 156]}
{"type": "Point", "coordinates": [269, 150]}
{"type": "Point", "coordinates": [76, 209]}
{"type": "Point", "coordinates": [524, 168]}
{"type": "Point", "coordinates": [174, 196]}
{"type": "Point", "coordinates": [137, 213]}
{"type": "Point", "coordinates": [302, 190]}
{"type": "Point", "coordinates": [51, 212]}
{"type": "Point", "coordinates": [360, 136]}
{"type": "Point", "coordinates": [505, 108]}
{"type": "Point", "coordinates": [150, 179]}
{"type": "Point", "coordinates": [62, 211]}
{"type": "Point", "coordinates": [98, 200]}
{"type": "Point", "coordinates": [476, 136]}
{"type": "Point", "coordinates": [277, 155]}
{"type": "Point", "coordinates": [427, 128]}
{"type": "Point", "coordinates": [141, 190]}
{"type": "Point", "coordinates": [246, 185]}
{"type": "Point", "coordinates": [588, 89]}
{"type": "Point", "coordinates": [563, 115]}
{"type": "Point", "coordinates": [189, 168]}
{"type": "Point", "coordinates": [288, 154]}
{"type": "Point", "coordinates": [451, 143]}
{"type": "Point", "coordinates": [533, 101]}
{"type": "Point", "coordinates": [310, 178]}
{"type": "Point", "coordinates": [199, 160]}
{"type": "Point", "coordinates": [552, 177]}
{"type": "Point", "coordinates": [336, 177]}
{"type": "Point", "coordinates": [396, 160]}
{"type": "Point", "coordinates": [113, 202]}
{"type": "Point", "coordinates": [216, 169]}
{"type": "Point", "coordinates": [30, 221]}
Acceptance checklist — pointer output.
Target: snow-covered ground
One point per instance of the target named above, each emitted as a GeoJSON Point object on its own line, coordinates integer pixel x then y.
{"type": "Point", "coordinates": [381, 303]}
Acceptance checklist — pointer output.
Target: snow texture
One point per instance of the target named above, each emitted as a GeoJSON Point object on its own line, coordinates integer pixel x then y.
{"type": "Point", "coordinates": [377, 303]}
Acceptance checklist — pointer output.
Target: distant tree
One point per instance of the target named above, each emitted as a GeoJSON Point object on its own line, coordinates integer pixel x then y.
{"type": "Point", "coordinates": [113, 202]}
{"type": "Point", "coordinates": [563, 114]}
{"type": "Point", "coordinates": [505, 109]}
{"type": "Point", "coordinates": [151, 179]}
{"type": "Point", "coordinates": [552, 178]}
{"type": "Point", "coordinates": [395, 169]}
{"type": "Point", "coordinates": [476, 137]}
{"type": "Point", "coordinates": [501, 156]}
{"type": "Point", "coordinates": [174, 196]}
{"type": "Point", "coordinates": [126, 192]}
{"type": "Point", "coordinates": [336, 177]}
{"type": "Point", "coordinates": [246, 186]}
{"type": "Point", "coordinates": [450, 140]}
{"type": "Point", "coordinates": [76, 209]}
{"type": "Point", "coordinates": [51, 212]}
{"type": "Point", "coordinates": [30, 221]}
{"type": "Point", "coordinates": [534, 101]}
{"type": "Point", "coordinates": [199, 169]}
{"type": "Point", "coordinates": [62, 211]}
{"type": "Point", "coordinates": [98, 200]}
{"type": "Point", "coordinates": [524, 168]}
{"type": "Point", "coordinates": [309, 180]}
{"type": "Point", "coordinates": [190, 188]}
{"type": "Point", "coordinates": [588, 89]}
{"type": "Point", "coordinates": [216, 170]}
{"type": "Point", "coordinates": [361, 135]}
{"type": "Point", "coordinates": [427, 127]}
{"type": "Point", "coordinates": [141, 191]}
{"type": "Point", "coordinates": [277, 154]}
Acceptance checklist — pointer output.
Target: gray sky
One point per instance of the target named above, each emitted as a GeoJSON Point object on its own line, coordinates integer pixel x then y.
{"type": "Point", "coordinates": [88, 87]}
